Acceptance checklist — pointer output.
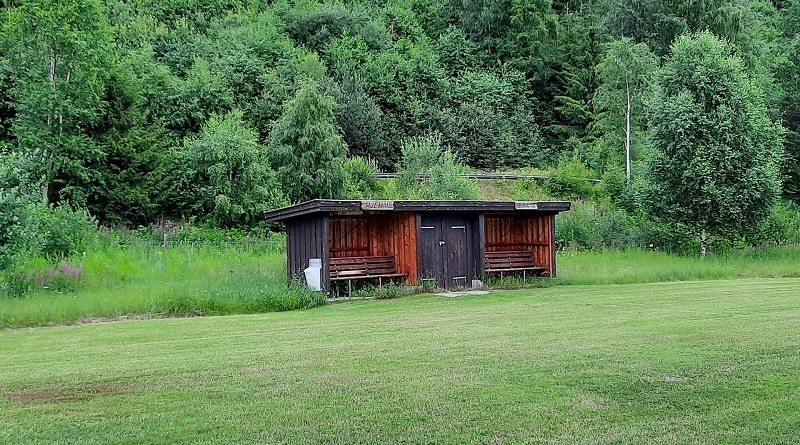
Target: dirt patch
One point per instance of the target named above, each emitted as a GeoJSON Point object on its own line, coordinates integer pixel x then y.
{"type": "Point", "coordinates": [60, 394]}
{"type": "Point", "coordinates": [118, 318]}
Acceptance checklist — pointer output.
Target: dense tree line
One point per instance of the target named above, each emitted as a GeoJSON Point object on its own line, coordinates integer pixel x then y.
{"type": "Point", "coordinates": [220, 109]}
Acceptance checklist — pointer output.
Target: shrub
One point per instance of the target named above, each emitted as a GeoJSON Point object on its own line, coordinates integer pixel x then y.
{"type": "Point", "coordinates": [361, 182]}
{"type": "Point", "coordinates": [570, 180]}
{"type": "Point", "coordinates": [15, 234]}
{"type": "Point", "coordinates": [439, 167]}
{"type": "Point", "coordinates": [65, 231]}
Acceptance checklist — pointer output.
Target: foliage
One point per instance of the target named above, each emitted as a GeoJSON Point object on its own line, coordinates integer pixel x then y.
{"type": "Point", "coordinates": [15, 235]}
{"type": "Point", "coordinates": [357, 114]}
{"type": "Point", "coordinates": [306, 148]}
{"type": "Point", "coordinates": [788, 75]}
{"type": "Point", "coordinates": [715, 168]}
{"type": "Point", "coordinates": [571, 180]}
{"type": "Point", "coordinates": [508, 84]}
{"type": "Point", "coordinates": [429, 171]}
{"type": "Point", "coordinates": [361, 182]}
{"type": "Point", "coordinates": [315, 25]}
{"type": "Point", "coordinates": [490, 124]}
{"type": "Point", "coordinates": [31, 229]}
{"type": "Point", "coordinates": [625, 76]}
{"type": "Point", "coordinates": [59, 55]}
{"type": "Point", "coordinates": [227, 174]}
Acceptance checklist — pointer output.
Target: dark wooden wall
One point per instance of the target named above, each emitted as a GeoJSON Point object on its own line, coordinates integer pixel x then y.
{"type": "Point", "coordinates": [371, 235]}
{"type": "Point", "coordinates": [523, 232]}
{"type": "Point", "coordinates": [306, 238]}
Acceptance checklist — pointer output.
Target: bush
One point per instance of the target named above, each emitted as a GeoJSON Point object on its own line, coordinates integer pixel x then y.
{"type": "Point", "coordinates": [782, 226]}
{"type": "Point", "coordinates": [15, 234]}
{"type": "Point", "coordinates": [64, 231]}
{"type": "Point", "coordinates": [361, 182]}
{"type": "Point", "coordinates": [440, 169]}
{"type": "Point", "coordinates": [571, 180]}
{"type": "Point", "coordinates": [605, 226]}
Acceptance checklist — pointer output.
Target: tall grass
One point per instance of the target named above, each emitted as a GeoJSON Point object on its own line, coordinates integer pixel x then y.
{"type": "Point", "coordinates": [140, 280]}
{"type": "Point", "coordinates": [643, 266]}
{"type": "Point", "coordinates": [137, 278]}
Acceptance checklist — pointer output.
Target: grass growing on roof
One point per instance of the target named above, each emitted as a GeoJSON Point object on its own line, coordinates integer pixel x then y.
{"type": "Point", "coordinates": [701, 362]}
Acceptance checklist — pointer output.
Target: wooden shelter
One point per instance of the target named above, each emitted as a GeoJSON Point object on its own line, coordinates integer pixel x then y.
{"type": "Point", "coordinates": [449, 243]}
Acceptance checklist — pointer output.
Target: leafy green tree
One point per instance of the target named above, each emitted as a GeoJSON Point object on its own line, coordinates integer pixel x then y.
{"type": "Point", "coordinates": [456, 52]}
{"type": "Point", "coordinates": [60, 52]}
{"type": "Point", "coordinates": [575, 79]}
{"type": "Point", "coordinates": [357, 114]}
{"type": "Point", "coordinates": [788, 75]}
{"type": "Point", "coordinates": [659, 22]}
{"type": "Point", "coordinates": [408, 84]}
{"type": "Point", "coordinates": [490, 123]}
{"type": "Point", "coordinates": [228, 176]}
{"type": "Point", "coordinates": [516, 32]}
{"type": "Point", "coordinates": [315, 24]}
{"type": "Point", "coordinates": [626, 74]}
{"type": "Point", "coordinates": [306, 147]}
{"type": "Point", "coordinates": [202, 94]}
{"type": "Point", "coordinates": [715, 167]}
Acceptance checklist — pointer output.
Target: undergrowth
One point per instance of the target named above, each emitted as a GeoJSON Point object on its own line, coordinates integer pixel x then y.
{"type": "Point", "coordinates": [116, 279]}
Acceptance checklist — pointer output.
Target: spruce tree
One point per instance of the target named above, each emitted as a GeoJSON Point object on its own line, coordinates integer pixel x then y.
{"type": "Point", "coordinates": [306, 148]}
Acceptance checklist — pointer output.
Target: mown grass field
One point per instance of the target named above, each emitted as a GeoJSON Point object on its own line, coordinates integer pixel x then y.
{"type": "Point", "coordinates": [685, 362]}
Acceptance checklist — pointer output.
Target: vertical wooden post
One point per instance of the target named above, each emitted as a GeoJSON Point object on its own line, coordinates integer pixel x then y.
{"type": "Point", "coordinates": [165, 244]}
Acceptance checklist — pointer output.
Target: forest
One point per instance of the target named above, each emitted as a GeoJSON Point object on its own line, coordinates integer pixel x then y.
{"type": "Point", "coordinates": [130, 113]}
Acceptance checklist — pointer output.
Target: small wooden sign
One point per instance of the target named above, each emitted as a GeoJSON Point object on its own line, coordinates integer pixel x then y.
{"type": "Point", "coordinates": [526, 205]}
{"type": "Point", "coordinates": [377, 205]}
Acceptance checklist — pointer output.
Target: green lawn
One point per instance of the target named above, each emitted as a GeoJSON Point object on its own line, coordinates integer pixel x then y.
{"type": "Point", "coordinates": [700, 362]}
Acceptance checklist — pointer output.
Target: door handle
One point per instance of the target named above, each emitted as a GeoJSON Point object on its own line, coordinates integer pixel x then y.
{"type": "Point", "coordinates": [441, 243]}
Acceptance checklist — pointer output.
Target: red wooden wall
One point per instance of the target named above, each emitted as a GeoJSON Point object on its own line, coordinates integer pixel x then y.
{"type": "Point", "coordinates": [523, 232]}
{"type": "Point", "coordinates": [373, 235]}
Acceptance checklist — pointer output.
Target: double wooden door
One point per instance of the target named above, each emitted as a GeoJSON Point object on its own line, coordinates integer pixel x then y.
{"type": "Point", "coordinates": [445, 250]}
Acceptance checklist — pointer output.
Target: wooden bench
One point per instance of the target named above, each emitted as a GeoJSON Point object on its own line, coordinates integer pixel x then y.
{"type": "Point", "coordinates": [512, 261]}
{"type": "Point", "coordinates": [364, 268]}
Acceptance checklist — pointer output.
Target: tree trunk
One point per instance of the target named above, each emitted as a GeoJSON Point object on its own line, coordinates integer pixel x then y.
{"type": "Point", "coordinates": [703, 243]}
{"type": "Point", "coordinates": [628, 133]}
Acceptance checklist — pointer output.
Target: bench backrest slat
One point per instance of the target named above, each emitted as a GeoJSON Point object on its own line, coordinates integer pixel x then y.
{"type": "Point", "coordinates": [365, 265]}
{"type": "Point", "coordinates": [509, 259]}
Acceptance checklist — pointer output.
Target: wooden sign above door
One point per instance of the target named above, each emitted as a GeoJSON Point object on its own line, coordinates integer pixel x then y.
{"type": "Point", "coordinates": [526, 205]}
{"type": "Point", "coordinates": [377, 205]}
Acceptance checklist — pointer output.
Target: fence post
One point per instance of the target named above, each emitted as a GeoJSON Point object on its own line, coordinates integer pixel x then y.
{"type": "Point", "coordinates": [164, 244]}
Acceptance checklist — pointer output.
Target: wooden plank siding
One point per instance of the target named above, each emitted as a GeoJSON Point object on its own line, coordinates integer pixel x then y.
{"type": "Point", "coordinates": [306, 239]}
{"type": "Point", "coordinates": [523, 232]}
{"type": "Point", "coordinates": [377, 235]}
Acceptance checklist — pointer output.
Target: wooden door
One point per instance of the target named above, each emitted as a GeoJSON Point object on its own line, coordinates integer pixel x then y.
{"type": "Point", "coordinates": [445, 254]}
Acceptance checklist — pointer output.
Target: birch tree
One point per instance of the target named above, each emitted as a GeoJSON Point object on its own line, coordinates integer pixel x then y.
{"type": "Point", "coordinates": [59, 52]}
{"type": "Point", "coordinates": [715, 167]}
{"type": "Point", "coordinates": [625, 74]}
